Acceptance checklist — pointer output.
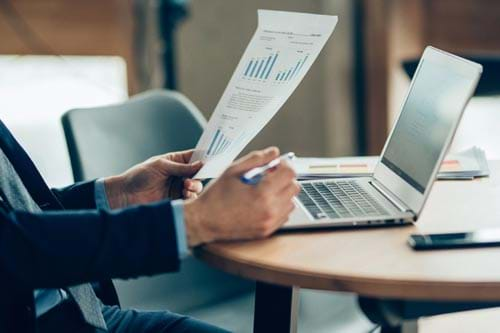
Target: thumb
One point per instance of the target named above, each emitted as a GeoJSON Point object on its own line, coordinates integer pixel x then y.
{"type": "Point", "coordinates": [254, 159]}
{"type": "Point", "coordinates": [182, 169]}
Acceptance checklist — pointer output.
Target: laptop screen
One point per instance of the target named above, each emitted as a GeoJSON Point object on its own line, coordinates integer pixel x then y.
{"type": "Point", "coordinates": [428, 115]}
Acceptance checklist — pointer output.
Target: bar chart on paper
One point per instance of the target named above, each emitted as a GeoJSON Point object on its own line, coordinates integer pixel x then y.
{"type": "Point", "coordinates": [219, 143]}
{"type": "Point", "coordinates": [278, 69]}
{"type": "Point", "coordinates": [279, 55]}
{"type": "Point", "coordinates": [259, 68]}
{"type": "Point", "coordinates": [289, 73]}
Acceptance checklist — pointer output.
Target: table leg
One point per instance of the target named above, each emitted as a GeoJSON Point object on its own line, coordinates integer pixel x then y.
{"type": "Point", "coordinates": [276, 308]}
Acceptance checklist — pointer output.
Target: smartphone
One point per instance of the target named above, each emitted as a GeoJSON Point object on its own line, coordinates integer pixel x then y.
{"type": "Point", "coordinates": [480, 238]}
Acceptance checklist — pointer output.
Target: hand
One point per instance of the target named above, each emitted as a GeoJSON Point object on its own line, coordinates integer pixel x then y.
{"type": "Point", "coordinates": [158, 178]}
{"type": "Point", "coordinates": [230, 210]}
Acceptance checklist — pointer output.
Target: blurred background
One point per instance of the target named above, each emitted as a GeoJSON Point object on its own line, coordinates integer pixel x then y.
{"type": "Point", "coordinates": [57, 55]}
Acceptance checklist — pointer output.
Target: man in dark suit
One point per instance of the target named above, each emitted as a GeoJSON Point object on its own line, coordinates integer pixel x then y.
{"type": "Point", "coordinates": [54, 242]}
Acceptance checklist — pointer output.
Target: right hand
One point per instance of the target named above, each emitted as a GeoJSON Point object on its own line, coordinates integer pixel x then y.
{"type": "Point", "coordinates": [231, 210]}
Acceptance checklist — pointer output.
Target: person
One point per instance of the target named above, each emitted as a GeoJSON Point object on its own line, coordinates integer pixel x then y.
{"type": "Point", "coordinates": [54, 242]}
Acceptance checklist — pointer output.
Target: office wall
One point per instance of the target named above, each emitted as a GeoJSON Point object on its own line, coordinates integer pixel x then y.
{"type": "Point", "coordinates": [317, 120]}
{"type": "Point", "coordinates": [394, 31]}
{"type": "Point", "coordinates": [54, 27]}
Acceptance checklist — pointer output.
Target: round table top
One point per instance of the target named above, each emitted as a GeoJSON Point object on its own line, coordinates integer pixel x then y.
{"type": "Point", "coordinates": [377, 262]}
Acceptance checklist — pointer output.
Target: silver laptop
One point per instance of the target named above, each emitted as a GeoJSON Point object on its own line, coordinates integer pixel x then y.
{"type": "Point", "coordinates": [396, 193]}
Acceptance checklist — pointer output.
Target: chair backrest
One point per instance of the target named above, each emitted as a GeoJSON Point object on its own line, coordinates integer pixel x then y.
{"type": "Point", "coordinates": [107, 140]}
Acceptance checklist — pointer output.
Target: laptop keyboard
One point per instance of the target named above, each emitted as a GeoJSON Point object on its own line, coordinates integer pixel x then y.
{"type": "Point", "coordinates": [338, 199]}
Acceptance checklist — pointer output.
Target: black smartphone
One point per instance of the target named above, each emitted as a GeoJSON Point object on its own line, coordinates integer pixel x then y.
{"type": "Point", "coordinates": [480, 238]}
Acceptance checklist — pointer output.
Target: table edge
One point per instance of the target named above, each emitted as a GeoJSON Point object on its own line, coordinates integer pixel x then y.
{"type": "Point", "coordinates": [369, 287]}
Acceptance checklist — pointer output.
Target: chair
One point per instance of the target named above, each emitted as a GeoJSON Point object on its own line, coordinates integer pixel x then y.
{"type": "Point", "coordinates": [107, 140]}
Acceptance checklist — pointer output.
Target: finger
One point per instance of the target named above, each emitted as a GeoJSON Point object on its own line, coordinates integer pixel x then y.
{"type": "Point", "coordinates": [189, 195]}
{"type": "Point", "coordinates": [278, 179]}
{"type": "Point", "coordinates": [172, 168]}
{"type": "Point", "coordinates": [193, 185]}
{"type": "Point", "coordinates": [183, 156]}
{"type": "Point", "coordinates": [254, 159]}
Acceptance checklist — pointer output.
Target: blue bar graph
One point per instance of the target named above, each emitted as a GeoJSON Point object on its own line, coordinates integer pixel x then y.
{"type": "Point", "coordinates": [296, 68]}
{"type": "Point", "coordinates": [272, 65]}
{"type": "Point", "coordinates": [265, 67]}
{"type": "Point", "coordinates": [253, 68]}
{"type": "Point", "coordinates": [260, 68]}
{"type": "Point", "coordinates": [261, 63]}
{"type": "Point", "coordinates": [219, 144]}
{"type": "Point", "coordinates": [210, 148]}
{"type": "Point", "coordinates": [248, 67]}
{"type": "Point", "coordinates": [289, 73]}
{"type": "Point", "coordinates": [225, 145]}
{"type": "Point", "coordinates": [302, 64]}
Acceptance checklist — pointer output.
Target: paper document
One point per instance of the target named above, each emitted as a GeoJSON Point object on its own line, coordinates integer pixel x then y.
{"type": "Point", "coordinates": [468, 164]}
{"type": "Point", "coordinates": [278, 57]}
{"type": "Point", "coordinates": [335, 167]}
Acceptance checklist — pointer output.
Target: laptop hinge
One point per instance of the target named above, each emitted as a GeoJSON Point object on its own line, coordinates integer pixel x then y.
{"type": "Point", "coordinates": [391, 197]}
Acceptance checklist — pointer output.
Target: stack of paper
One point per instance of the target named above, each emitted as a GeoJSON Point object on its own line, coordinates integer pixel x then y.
{"type": "Point", "coordinates": [467, 164]}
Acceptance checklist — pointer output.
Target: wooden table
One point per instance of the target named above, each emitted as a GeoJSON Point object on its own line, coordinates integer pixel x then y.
{"type": "Point", "coordinates": [375, 263]}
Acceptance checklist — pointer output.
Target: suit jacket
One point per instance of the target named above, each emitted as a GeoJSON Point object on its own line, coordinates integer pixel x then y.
{"type": "Point", "coordinates": [71, 242]}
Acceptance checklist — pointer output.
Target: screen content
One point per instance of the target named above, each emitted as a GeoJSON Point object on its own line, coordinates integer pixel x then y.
{"type": "Point", "coordinates": [433, 105]}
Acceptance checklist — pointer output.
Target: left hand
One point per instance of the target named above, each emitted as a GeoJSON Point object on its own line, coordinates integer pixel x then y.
{"type": "Point", "coordinates": [158, 178]}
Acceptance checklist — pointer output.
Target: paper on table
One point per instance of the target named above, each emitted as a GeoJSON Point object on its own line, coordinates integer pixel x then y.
{"type": "Point", "coordinates": [276, 60]}
{"type": "Point", "coordinates": [469, 163]}
{"type": "Point", "coordinates": [340, 166]}
{"type": "Point", "coordinates": [463, 165]}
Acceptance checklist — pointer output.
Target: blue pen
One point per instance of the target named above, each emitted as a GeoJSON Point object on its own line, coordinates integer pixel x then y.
{"type": "Point", "coordinates": [253, 177]}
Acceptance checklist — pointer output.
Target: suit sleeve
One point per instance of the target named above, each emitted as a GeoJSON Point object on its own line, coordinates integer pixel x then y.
{"type": "Point", "coordinates": [62, 248]}
{"type": "Point", "coordinates": [77, 196]}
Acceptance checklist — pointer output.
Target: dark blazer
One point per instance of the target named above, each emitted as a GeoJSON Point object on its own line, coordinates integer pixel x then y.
{"type": "Point", "coordinates": [71, 242]}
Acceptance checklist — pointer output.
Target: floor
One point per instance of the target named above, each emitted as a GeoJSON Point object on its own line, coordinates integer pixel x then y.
{"type": "Point", "coordinates": [322, 312]}
{"type": "Point", "coordinates": [319, 312]}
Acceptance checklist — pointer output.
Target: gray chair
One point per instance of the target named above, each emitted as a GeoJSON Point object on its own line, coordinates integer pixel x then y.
{"type": "Point", "coordinates": [107, 140]}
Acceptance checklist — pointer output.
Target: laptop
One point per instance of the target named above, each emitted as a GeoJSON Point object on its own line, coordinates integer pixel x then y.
{"type": "Point", "coordinates": [396, 193]}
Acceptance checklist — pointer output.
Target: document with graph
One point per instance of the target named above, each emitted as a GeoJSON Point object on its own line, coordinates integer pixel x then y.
{"type": "Point", "coordinates": [279, 55]}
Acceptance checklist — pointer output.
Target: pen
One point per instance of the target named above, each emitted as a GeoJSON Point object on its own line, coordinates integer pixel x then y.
{"type": "Point", "coordinates": [253, 177]}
